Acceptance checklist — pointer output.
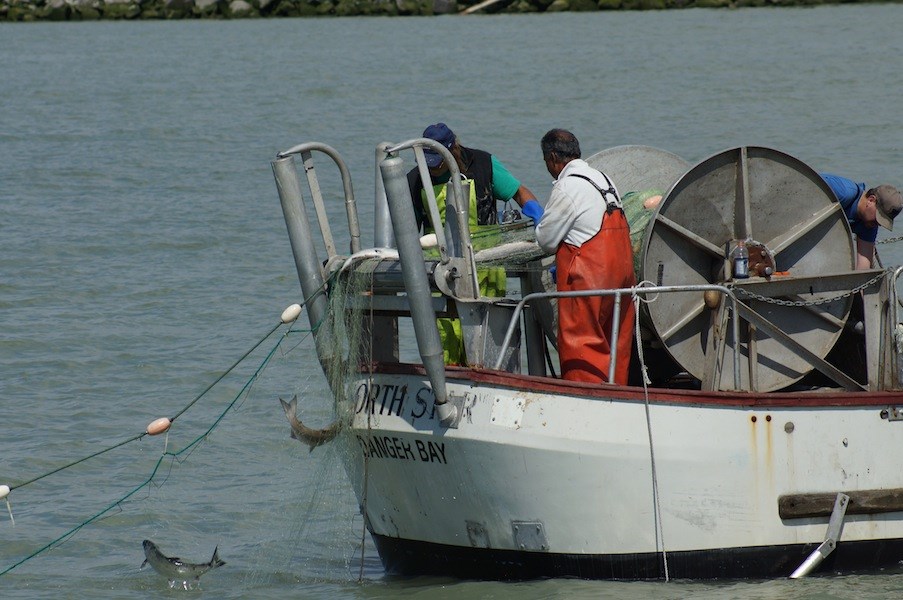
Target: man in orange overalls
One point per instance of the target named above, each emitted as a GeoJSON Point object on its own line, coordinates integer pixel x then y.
{"type": "Point", "coordinates": [584, 224]}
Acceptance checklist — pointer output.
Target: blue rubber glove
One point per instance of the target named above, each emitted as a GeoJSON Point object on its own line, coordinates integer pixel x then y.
{"type": "Point", "coordinates": [533, 210]}
{"type": "Point", "coordinates": [553, 271]}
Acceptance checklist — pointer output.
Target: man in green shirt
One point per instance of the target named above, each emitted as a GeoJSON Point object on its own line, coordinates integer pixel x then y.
{"type": "Point", "coordinates": [490, 182]}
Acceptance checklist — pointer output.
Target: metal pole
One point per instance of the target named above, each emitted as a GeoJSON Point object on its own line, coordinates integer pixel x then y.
{"type": "Point", "coordinates": [307, 263]}
{"type": "Point", "coordinates": [354, 227]}
{"type": "Point", "coordinates": [835, 528]}
{"type": "Point", "coordinates": [615, 331]}
{"type": "Point", "coordinates": [416, 281]}
{"type": "Point", "coordinates": [383, 236]}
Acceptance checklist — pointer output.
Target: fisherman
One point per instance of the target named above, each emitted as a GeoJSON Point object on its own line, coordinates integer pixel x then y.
{"type": "Point", "coordinates": [866, 210]}
{"type": "Point", "coordinates": [584, 224]}
{"type": "Point", "coordinates": [489, 182]}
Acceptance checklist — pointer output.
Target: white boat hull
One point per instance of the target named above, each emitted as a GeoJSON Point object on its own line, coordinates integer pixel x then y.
{"type": "Point", "coordinates": [558, 479]}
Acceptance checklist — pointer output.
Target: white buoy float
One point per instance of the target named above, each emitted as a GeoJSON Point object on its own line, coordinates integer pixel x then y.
{"type": "Point", "coordinates": [159, 426]}
{"type": "Point", "coordinates": [429, 241]}
{"type": "Point", "coordinates": [4, 492]}
{"type": "Point", "coordinates": [291, 313]}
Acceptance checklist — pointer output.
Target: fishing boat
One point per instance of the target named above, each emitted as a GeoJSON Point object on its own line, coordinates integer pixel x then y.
{"type": "Point", "coordinates": [756, 438]}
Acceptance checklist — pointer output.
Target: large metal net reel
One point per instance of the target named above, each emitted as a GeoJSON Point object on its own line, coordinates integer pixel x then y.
{"type": "Point", "coordinates": [635, 167]}
{"type": "Point", "coordinates": [794, 231]}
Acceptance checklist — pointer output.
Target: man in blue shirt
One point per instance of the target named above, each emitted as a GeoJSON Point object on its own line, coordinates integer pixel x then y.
{"type": "Point", "coordinates": [866, 209]}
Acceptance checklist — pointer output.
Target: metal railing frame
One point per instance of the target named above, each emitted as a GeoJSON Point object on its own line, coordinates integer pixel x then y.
{"type": "Point", "coordinates": [618, 293]}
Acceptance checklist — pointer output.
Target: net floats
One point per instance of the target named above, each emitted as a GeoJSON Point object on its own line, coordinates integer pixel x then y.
{"type": "Point", "coordinates": [4, 492]}
{"type": "Point", "coordinates": [429, 241]}
{"type": "Point", "coordinates": [712, 299]}
{"type": "Point", "coordinates": [159, 426]}
{"type": "Point", "coordinates": [291, 313]}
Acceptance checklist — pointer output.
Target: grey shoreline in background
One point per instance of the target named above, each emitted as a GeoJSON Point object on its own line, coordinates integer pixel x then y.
{"type": "Point", "coordinates": [92, 10]}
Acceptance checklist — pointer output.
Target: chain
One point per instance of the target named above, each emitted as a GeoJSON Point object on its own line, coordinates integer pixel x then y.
{"type": "Point", "coordinates": [798, 303]}
{"type": "Point", "coordinates": [890, 240]}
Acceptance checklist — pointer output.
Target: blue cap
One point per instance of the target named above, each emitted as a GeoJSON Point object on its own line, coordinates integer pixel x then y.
{"type": "Point", "coordinates": [442, 134]}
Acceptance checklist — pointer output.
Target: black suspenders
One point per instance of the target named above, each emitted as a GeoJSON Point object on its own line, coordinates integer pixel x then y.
{"type": "Point", "coordinates": [611, 205]}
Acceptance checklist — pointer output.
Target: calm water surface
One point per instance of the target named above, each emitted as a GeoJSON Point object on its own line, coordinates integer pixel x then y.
{"type": "Point", "coordinates": [143, 252]}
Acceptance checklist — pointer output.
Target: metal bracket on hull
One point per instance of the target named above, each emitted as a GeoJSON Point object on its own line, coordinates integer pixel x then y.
{"type": "Point", "coordinates": [892, 413]}
{"type": "Point", "coordinates": [529, 535]}
{"type": "Point", "coordinates": [456, 402]}
{"type": "Point", "coordinates": [835, 525]}
{"type": "Point", "coordinates": [477, 534]}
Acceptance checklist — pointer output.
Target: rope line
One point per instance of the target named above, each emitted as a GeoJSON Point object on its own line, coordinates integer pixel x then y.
{"type": "Point", "coordinates": [227, 371]}
{"type": "Point", "coordinates": [244, 390]}
{"type": "Point", "coordinates": [77, 528]}
{"type": "Point", "coordinates": [360, 575]}
{"type": "Point", "coordinates": [656, 496]}
{"type": "Point", "coordinates": [79, 461]}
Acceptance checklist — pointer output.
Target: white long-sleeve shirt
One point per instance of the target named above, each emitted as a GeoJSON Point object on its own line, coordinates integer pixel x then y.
{"type": "Point", "coordinates": [574, 211]}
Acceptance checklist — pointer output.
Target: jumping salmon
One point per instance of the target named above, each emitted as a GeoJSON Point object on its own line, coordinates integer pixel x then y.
{"type": "Point", "coordinates": [303, 433]}
{"type": "Point", "coordinates": [175, 569]}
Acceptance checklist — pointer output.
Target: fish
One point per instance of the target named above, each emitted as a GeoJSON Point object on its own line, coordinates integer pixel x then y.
{"type": "Point", "coordinates": [174, 568]}
{"type": "Point", "coordinates": [303, 433]}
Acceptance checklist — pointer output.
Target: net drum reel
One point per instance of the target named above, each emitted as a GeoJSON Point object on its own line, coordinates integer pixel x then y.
{"type": "Point", "coordinates": [635, 167]}
{"type": "Point", "coordinates": [793, 229]}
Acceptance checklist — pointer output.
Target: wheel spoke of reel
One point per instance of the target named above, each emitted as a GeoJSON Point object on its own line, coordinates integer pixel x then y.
{"type": "Point", "coordinates": [821, 312]}
{"type": "Point", "coordinates": [742, 210]}
{"type": "Point", "coordinates": [799, 230]}
{"type": "Point", "coordinates": [691, 314]}
{"type": "Point", "coordinates": [691, 237]}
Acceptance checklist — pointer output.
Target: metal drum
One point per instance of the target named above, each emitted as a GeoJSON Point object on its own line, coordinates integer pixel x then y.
{"type": "Point", "coordinates": [793, 228]}
{"type": "Point", "coordinates": [634, 168]}
{"type": "Point", "coordinates": [642, 175]}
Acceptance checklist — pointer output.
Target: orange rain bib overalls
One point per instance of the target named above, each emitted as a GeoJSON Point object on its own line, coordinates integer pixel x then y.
{"type": "Point", "coordinates": [585, 324]}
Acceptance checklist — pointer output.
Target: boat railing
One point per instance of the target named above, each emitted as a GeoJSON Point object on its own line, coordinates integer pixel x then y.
{"type": "Point", "coordinates": [310, 270]}
{"type": "Point", "coordinates": [455, 247]}
{"type": "Point", "coordinates": [306, 151]}
{"type": "Point", "coordinates": [619, 294]}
